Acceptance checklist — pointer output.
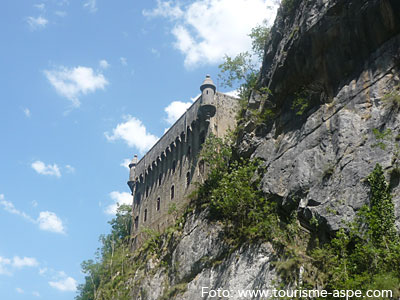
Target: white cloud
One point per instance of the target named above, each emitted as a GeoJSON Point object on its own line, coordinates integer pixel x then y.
{"type": "Point", "coordinates": [41, 168]}
{"type": "Point", "coordinates": [176, 109]}
{"type": "Point", "coordinates": [134, 133]}
{"type": "Point", "coordinates": [67, 284]}
{"type": "Point", "coordinates": [40, 6]}
{"type": "Point", "coordinates": [124, 61]}
{"type": "Point", "coordinates": [119, 199]}
{"type": "Point", "coordinates": [125, 163]}
{"type": "Point", "coordinates": [91, 5]}
{"type": "Point", "coordinates": [19, 262]}
{"type": "Point", "coordinates": [75, 82]}
{"type": "Point", "coordinates": [4, 263]}
{"type": "Point", "coordinates": [206, 30]}
{"type": "Point", "coordinates": [49, 221]}
{"type": "Point", "coordinates": [70, 169]}
{"type": "Point", "coordinates": [60, 13]}
{"type": "Point", "coordinates": [27, 112]}
{"type": "Point", "coordinates": [104, 64]}
{"type": "Point", "coordinates": [155, 52]}
{"type": "Point", "coordinates": [165, 9]}
{"type": "Point", "coordinates": [19, 290]}
{"type": "Point", "coordinates": [37, 23]}
{"type": "Point", "coordinates": [36, 294]}
{"type": "Point", "coordinates": [16, 262]}
{"type": "Point", "coordinates": [9, 207]}
{"type": "Point", "coordinates": [234, 93]}
{"type": "Point", "coordinates": [43, 271]}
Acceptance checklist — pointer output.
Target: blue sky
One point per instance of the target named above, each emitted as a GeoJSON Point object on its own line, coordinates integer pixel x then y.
{"type": "Point", "coordinates": [86, 85]}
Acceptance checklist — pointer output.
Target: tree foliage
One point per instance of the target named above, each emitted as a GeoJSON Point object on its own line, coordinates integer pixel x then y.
{"type": "Point", "coordinates": [105, 275]}
{"type": "Point", "coordinates": [367, 256]}
{"type": "Point", "coordinates": [231, 192]}
{"type": "Point", "coordinates": [242, 71]}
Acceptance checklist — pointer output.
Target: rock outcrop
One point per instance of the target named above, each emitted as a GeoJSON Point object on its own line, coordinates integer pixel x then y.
{"type": "Point", "coordinates": [201, 262]}
{"type": "Point", "coordinates": [340, 60]}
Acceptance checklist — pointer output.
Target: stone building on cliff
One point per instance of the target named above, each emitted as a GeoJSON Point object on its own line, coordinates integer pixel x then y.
{"type": "Point", "coordinates": [164, 176]}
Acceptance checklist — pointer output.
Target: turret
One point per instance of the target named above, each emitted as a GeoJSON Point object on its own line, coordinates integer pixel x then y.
{"type": "Point", "coordinates": [207, 106]}
{"type": "Point", "coordinates": [132, 173]}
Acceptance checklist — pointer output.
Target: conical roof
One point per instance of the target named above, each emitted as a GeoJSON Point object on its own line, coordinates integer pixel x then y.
{"type": "Point", "coordinates": [207, 83]}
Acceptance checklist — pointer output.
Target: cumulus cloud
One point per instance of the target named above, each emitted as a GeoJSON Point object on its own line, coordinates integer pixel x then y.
{"type": "Point", "coordinates": [176, 109]}
{"type": "Point", "coordinates": [19, 262]}
{"type": "Point", "coordinates": [43, 169]}
{"type": "Point", "coordinates": [234, 93]}
{"type": "Point", "coordinates": [133, 133]}
{"type": "Point", "coordinates": [104, 64]}
{"type": "Point", "coordinates": [165, 9]}
{"type": "Point", "coordinates": [119, 199]}
{"type": "Point", "coordinates": [36, 23]}
{"type": "Point", "coordinates": [72, 83]}
{"type": "Point", "coordinates": [125, 163]}
{"type": "Point", "coordinates": [49, 221]}
{"type": "Point", "coordinates": [90, 5]}
{"type": "Point", "coordinates": [206, 30]}
{"type": "Point", "coordinates": [4, 263]}
{"type": "Point", "coordinates": [67, 284]}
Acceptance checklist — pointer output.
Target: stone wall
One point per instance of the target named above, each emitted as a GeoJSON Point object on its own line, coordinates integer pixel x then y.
{"type": "Point", "coordinates": [164, 177]}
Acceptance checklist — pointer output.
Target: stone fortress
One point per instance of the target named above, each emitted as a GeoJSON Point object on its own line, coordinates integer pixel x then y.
{"type": "Point", "coordinates": [164, 176]}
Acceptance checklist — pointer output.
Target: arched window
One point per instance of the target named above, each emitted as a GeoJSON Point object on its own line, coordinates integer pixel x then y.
{"type": "Point", "coordinates": [145, 215]}
{"type": "Point", "coordinates": [187, 179]}
{"type": "Point", "coordinates": [158, 203]}
{"type": "Point", "coordinates": [137, 198]}
{"type": "Point", "coordinates": [172, 192]}
{"type": "Point", "coordinates": [147, 191]}
{"type": "Point", "coordinates": [159, 179]}
{"type": "Point", "coordinates": [136, 222]}
{"type": "Point", "coordinates": [202, 137]}
{"type": "Point", "coordinates": [173, 166]}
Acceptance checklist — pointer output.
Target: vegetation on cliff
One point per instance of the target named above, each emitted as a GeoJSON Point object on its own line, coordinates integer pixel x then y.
{"type": "Point", "coordinates": [363, 255]}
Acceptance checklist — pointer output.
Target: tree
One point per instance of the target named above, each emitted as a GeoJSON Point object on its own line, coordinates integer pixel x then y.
{"type": "Point", "coordinates": [380, 215]}
{"type": "Point", "coordinates": [111, 255]}
{"type": "Point", "coordinates": [241, 71]}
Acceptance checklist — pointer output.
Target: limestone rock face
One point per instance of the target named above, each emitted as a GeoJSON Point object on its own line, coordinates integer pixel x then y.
{"type": "Point", "coordinates": [343, 58]}
{"type": "Point", "coordinates": [201, 261]}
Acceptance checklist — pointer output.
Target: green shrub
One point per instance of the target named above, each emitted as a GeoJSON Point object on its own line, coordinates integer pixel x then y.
{"type": "Point", "coordinates": [393, 97]}
{"type": "Point", "coordinates": [367, 256]}
{"type": "Point", "coordinates": [300, 104]}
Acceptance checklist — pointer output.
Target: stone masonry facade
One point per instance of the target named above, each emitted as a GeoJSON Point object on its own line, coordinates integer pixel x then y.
{"type": "Point", "coordinates": [164, 176]}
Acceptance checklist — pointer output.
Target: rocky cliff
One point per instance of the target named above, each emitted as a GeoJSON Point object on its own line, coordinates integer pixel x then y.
{"type": "Point", "coordinates": [331, 69]}
{"type": "Point", "coordinates": [199, 262]}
